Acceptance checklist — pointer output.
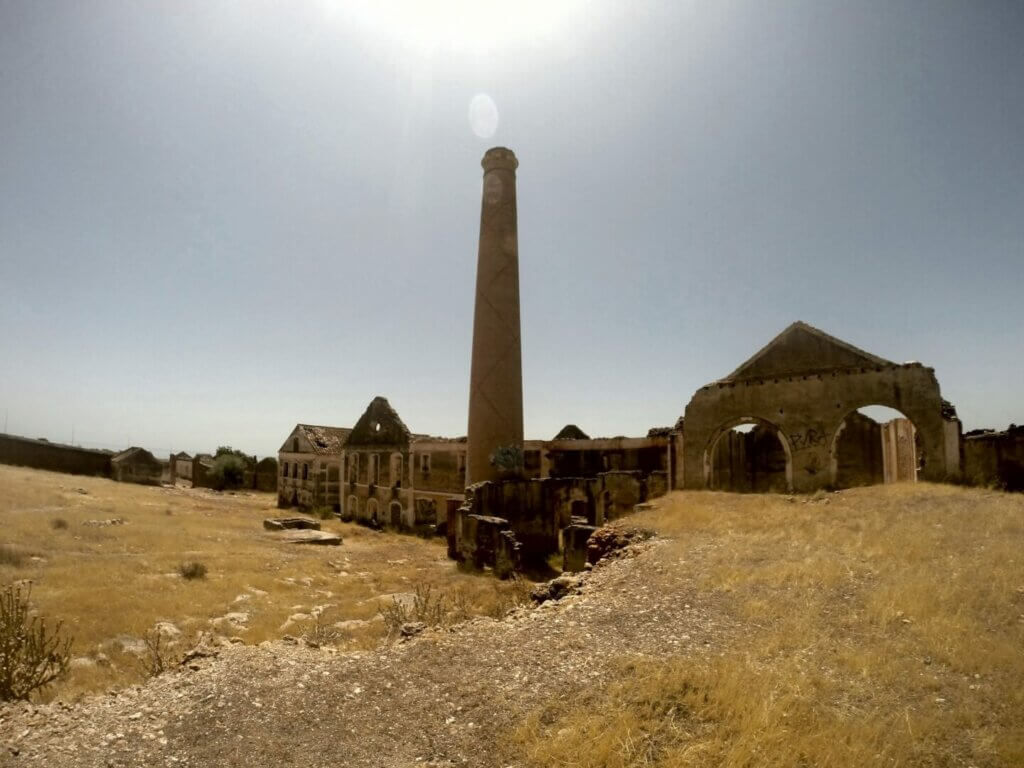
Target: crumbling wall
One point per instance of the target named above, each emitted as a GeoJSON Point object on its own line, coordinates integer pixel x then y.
{"type": "Point", "coordinates": [995, 458]}
{"type": "Point", "coordinates": [537, 512]}
{"type": "Point", "coordinates": [809, 408]}
{"type": "Point", "coordinates": [40, 454]}
{"type": "Point", "coordinates": [859, 455]}
{"type": "Point", "coordinates": [574, 552]}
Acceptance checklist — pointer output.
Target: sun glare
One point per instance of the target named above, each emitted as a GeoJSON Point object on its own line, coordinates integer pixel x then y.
{"type": "Point", "coordinates": [469, 25]}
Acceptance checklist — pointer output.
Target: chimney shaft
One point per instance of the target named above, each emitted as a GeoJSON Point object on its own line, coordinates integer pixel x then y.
{"type": "Point", "coordinates": [495, 434]}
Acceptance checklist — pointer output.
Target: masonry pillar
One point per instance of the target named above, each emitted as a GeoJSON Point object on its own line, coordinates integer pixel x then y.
{"type": "Point", "coordinates": [495, 435]}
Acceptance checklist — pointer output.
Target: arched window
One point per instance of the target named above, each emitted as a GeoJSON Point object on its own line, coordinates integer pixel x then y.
{"type": "Point", "coordinates": [396, 469]}
{"type": "Point", "coordinates": [395, 513]}
{"type": "Point", "coordinates": [305, 471]}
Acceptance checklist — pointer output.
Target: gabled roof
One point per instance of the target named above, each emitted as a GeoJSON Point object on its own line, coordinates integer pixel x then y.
{"type": "Point", "coordinates": [801, 348]}
{"type": "Point", "coordinates": [571, 432]}
{"type": "Point", "coordinates": [133, 452]}
{"type": "Point", "coordinates": [323, 441]}
{"type": "Point", "coordinates": [379, 425]}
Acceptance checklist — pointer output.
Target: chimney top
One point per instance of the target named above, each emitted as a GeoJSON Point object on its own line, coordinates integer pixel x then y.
{"type": "Point", "coordinates": [499, 158]}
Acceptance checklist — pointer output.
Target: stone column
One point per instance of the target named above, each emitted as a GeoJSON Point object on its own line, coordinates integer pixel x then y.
{"type": "Point", "coordinates": [495, 436]}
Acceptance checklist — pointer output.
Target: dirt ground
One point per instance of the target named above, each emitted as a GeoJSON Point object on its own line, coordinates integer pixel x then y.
{"type": "Point", "coordinates": [104, 558]}
{"type": "Point", "coordinates": [877, 626]}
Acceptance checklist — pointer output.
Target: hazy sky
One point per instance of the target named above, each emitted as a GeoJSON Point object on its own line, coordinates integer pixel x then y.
{"type": "Point", "coordinates": [218, 219]}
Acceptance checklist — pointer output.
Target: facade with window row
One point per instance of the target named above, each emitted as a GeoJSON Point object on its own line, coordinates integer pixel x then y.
{"type": "Point", "coordinates": [380, 473]}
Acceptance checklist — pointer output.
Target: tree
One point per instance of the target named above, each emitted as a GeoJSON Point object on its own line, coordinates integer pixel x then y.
{"type": "Point", "coordinates": [228, 471]}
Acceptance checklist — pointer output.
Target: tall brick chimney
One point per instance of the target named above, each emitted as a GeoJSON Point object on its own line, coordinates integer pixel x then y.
{"type": "Point", "coordinates": [495, 436]}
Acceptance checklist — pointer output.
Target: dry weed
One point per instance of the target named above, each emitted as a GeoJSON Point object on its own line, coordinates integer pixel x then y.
{"type": "Point", "coordinates": [882, 628]}
{"type": "Point", "coordinates": [107, 581]}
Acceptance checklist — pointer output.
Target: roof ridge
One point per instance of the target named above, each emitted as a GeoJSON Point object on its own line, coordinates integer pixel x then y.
{"type": "Point", "coordinates": [801, 325]}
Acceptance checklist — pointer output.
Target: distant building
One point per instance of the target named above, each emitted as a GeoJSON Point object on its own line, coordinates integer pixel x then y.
{"type": "Point", "coordinates": [309, 466]}
{"type": "Point", "coordinates": [136, 465]}
{"type": "Point", "coordinates": [182, 465]}
{"type": "Point", "coordinates": [392, 476]}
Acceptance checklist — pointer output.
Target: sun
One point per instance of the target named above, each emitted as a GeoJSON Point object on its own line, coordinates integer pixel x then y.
{"type": "Point", "coordinates": [465, 25]}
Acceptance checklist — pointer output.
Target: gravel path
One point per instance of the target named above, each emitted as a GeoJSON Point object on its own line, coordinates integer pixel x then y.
{"type": "Point", "coordinates": [444, 698]}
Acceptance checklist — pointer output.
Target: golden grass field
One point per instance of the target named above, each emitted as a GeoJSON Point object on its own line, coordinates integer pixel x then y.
{"type": "Point", "coordinates": [879, 626]}
{"type": "Point", "coordinates": [112, 584]}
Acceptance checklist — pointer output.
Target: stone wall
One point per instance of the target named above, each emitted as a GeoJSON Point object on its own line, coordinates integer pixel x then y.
{"type": "Point", "coordinates": [40, 454]}
{"type": "Point", "coordinates": [538, 510]}
{"type": "Point", "coordinates": [809, 410]}
{"type": "Point", "coordinates": [995, 458]}
{"type": "Point", "coordinates": [859, 455]}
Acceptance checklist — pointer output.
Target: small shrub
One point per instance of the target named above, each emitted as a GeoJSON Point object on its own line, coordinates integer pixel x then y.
{"type": "Point", "coordinates": [58, 524]}
{"type": "Point", "coordinates": [158, 657]}
{"type": "Point", "coordinates": [193, 569]}
{"type": "Point", "coordinates": [320, 633]}
{"type": "Point", "coordinates": [324, 513]}
{"type": "Point", "coordinates": [510, 596]}
{"type": "Point", "coordinates": [32, 655]}
{"type": "Point", "coordinates": [11, 556]}
{"type": "Point", "coordinates": [427, 606]}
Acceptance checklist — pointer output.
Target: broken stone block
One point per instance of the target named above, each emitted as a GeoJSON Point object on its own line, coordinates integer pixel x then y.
{"type": "Point", "coordinates": [288, 523]}
{"type": "Point", "coordinates": [313, 537]}
{"type": "Point", "coordinates": [557, 588]}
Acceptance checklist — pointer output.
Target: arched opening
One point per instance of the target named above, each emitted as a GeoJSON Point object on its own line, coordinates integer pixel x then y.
{"type": "Point", "coordinates": [748, 455]}
{"type": "Point", "coordinates": [875, 444]}
{"type": "Point", "coordinates": [395, 513]}
{"type": "Point", "coordinates": [351, 508]}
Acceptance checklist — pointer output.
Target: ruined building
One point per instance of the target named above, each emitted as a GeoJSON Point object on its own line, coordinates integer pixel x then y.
{"type": "Point", "coordinates": [803, 390]}
{"type": "Point", "coordinates": [789, 419]}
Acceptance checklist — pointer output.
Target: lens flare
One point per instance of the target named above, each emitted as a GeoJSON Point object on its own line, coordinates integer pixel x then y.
{"type": "Point", "coordinates": [483, 116]}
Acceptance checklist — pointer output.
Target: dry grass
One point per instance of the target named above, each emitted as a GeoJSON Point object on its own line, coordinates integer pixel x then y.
{"type": "Point", "coordinates": [880, 626]}
{"type": "Point", "coordinates": [112, 585]}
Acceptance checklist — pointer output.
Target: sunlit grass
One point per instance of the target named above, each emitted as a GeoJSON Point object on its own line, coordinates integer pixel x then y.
{"type": "Point", "coordinates": [110, 584]}
{"type": "Point", "coordinates": [884, 627]}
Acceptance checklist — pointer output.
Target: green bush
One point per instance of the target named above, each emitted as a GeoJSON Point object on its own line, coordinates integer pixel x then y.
{"type": "Point", "coordinates": [31, 655]}
{"type": "Point", "coordinates": [228, 472]}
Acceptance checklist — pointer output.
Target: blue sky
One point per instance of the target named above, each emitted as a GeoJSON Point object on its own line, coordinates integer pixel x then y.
{"type": "Point", "coordinates": [218, 219]}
